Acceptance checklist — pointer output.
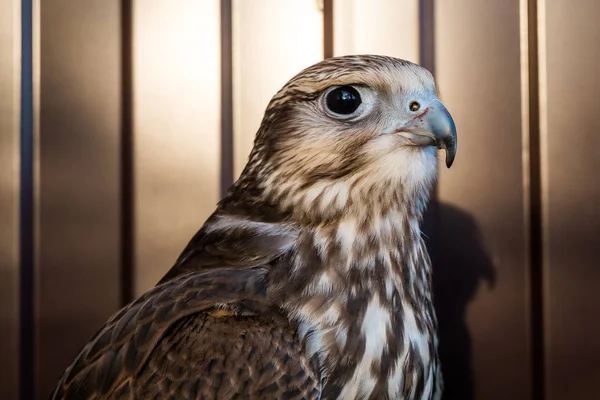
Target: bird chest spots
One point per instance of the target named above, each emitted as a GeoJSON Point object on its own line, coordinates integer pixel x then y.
{"type": "Point", "coordinates": [414, 336]}
{"type": "Point", "coordinates": [346, 234]}
{"type": "Point", "coordinates": [321, 284]}
{"type": "Point", "coordinates": [336, 194]}
{"type": "Point", "coordinates": [375, 327]}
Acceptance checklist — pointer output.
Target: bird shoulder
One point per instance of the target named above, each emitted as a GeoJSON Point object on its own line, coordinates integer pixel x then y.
{"type": "Point", "coordinates": [122, 346]}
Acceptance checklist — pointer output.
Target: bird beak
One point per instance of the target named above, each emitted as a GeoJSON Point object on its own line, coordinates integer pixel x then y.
{"type": "Point", "coordinates": [434, 126]}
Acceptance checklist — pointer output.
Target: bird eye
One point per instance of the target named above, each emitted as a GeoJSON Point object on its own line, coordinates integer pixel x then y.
{"type": "Point", "coordinates": [343, 100]}
{"type": "Point", "coordinates": [414, 106]}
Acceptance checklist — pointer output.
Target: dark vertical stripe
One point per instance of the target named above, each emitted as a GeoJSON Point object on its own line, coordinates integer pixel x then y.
{"type": "Point", "coordinates": [127, 143]}
{"type": "Point", "coordinates": [427, 34]}
{"type": "Point", "coordinates": [429, 225]}
{"type": "Point", "coordinates": [535, 211]}
{"type": "Point", "coordinates": [426, 59]}
{"type": "Point", "coordinates": [327, 28]}
{"type": "Point", "coordinates": [226, 97]}
{"type": "Point", "coordinates": [27, 193]}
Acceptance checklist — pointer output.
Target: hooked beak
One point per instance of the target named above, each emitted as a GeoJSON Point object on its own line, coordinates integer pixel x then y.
{"type": "Point", "coordinates": [433, 127]}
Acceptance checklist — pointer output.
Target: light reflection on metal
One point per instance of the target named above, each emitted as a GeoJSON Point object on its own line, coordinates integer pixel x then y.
{"type": "Point", "coordinates": [272, 41]}
{"type": "Point", "coordinates": [388, 27]}
{"type": "Point", "coordinates": [176, 128]}
{"type": "Point", "coordinates": [10, 79]}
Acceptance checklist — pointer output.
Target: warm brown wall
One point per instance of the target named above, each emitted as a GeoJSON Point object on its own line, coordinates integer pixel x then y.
{"type": "Point", "coordinates": [493, 288]}
{"type": "Point", "coordinates": [570, 97]}
{"type": "Point", "coordinates": [10, 52]}
{"type": "Point", "coordinates": [77, 271]}
{"type": "Point", "coordinates": [478, 66]}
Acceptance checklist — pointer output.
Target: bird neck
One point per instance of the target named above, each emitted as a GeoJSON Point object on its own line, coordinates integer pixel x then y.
{"type": "Point", "coordinates": [371, 256]}
{"type": "Point", "coordinates": [363, 251]}
{"type": "Point", "coordinates": [360, 290]}
{"type": "Point", "coordinates": [356, 285]}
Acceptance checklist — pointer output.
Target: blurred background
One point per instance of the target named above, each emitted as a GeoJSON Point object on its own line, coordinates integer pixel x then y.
{"type": "Point", "coordinates": [123, 122]}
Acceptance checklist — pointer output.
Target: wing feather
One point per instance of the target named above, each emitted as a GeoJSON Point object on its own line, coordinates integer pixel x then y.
{"type": "Point", "coordinates": [125, 350]}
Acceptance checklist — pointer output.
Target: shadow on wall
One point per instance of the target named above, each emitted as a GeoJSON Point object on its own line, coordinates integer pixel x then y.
{"type": "Point", "coordinates": [460, 263]}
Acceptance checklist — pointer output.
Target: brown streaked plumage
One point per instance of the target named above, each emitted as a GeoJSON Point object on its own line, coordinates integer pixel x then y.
{"type": "Point", "coordinates": [311, 279]}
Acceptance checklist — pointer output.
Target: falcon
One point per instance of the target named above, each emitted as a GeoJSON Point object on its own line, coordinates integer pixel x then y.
{"type": "Point", "coordinates": [311, 279]}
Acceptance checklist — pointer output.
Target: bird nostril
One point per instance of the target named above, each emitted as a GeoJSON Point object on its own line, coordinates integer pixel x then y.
{"type": "Point", "coordinates": [414, 106]}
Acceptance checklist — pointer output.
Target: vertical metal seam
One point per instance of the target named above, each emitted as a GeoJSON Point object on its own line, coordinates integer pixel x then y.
{"type": "Point", "coordinates": [127, 217]}
{"type": "Point", "coordinates": [227, 162]}
{"type": "Point", "coordinates": [526, 178]}
{"type": "Point", "coordinates": [426, 29]}
{"type": "Point", "coordinates": [427, 35]}
{"type": "Point", "coordinates": [540, 51]}
{"type": "Point", "coordinates": [328, 39]}
{"type": "Point", "coordinates": [27, 210]}
{"type": "Point", "coordinates": [426, 46]}
{"type": "Point", "coordinates": [534, 200]}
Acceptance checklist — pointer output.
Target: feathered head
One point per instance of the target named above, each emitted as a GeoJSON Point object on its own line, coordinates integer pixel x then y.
{"type": "Point", "coordinates": [350, 131]}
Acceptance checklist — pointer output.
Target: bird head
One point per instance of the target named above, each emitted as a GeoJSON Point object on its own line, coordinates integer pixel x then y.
{"type": "Point", "coordinates": [353, 130]}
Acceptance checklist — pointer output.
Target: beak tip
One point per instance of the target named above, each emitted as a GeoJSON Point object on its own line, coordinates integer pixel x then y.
{"type": "Point", "coordinates": [444, 130]}
{"type": "Point", "coordinates": [449, 145]}
{"type": "Point", "coordinates": [450, 153]}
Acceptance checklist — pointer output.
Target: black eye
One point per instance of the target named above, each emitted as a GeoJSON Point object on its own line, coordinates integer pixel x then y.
{"type": "Point", "coordinates": [414, 106]}
{"type": "Point", "coordinates": [343, 100]}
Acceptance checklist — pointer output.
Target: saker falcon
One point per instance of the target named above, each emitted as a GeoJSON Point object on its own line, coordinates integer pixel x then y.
{"type": "Point", "coordinates": [311, 279]}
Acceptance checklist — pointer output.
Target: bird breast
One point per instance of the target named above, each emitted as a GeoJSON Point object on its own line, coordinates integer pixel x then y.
{"type": "Point", "coordinates": [366, 310]}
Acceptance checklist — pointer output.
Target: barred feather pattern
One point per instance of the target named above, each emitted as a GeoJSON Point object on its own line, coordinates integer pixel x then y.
{"type": "Point", "coordinates": [360, 279]}
{"type": "Point", "coordinates": [312, 272]}
{"type": "Point", "coordinates": [366, 311]}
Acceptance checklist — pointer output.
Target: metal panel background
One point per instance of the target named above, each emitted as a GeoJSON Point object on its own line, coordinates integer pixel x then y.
{"type": "Point", "coordinates": [10, 49]}
{"type": "Point", "coordinates": [570, 133]}
{"type": "Point", "coordinates": [389, 27]}
{"type": "Point", "coordinates": [160, 84]}
{"type": "Point", "coordinates": [481, 261]}
{"type": "Point", "coordinates": [79, 126]}
{"type": "Point", "coordinates": [176, 82]}
{"type": "Point", "coordinates": [272, 41]}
